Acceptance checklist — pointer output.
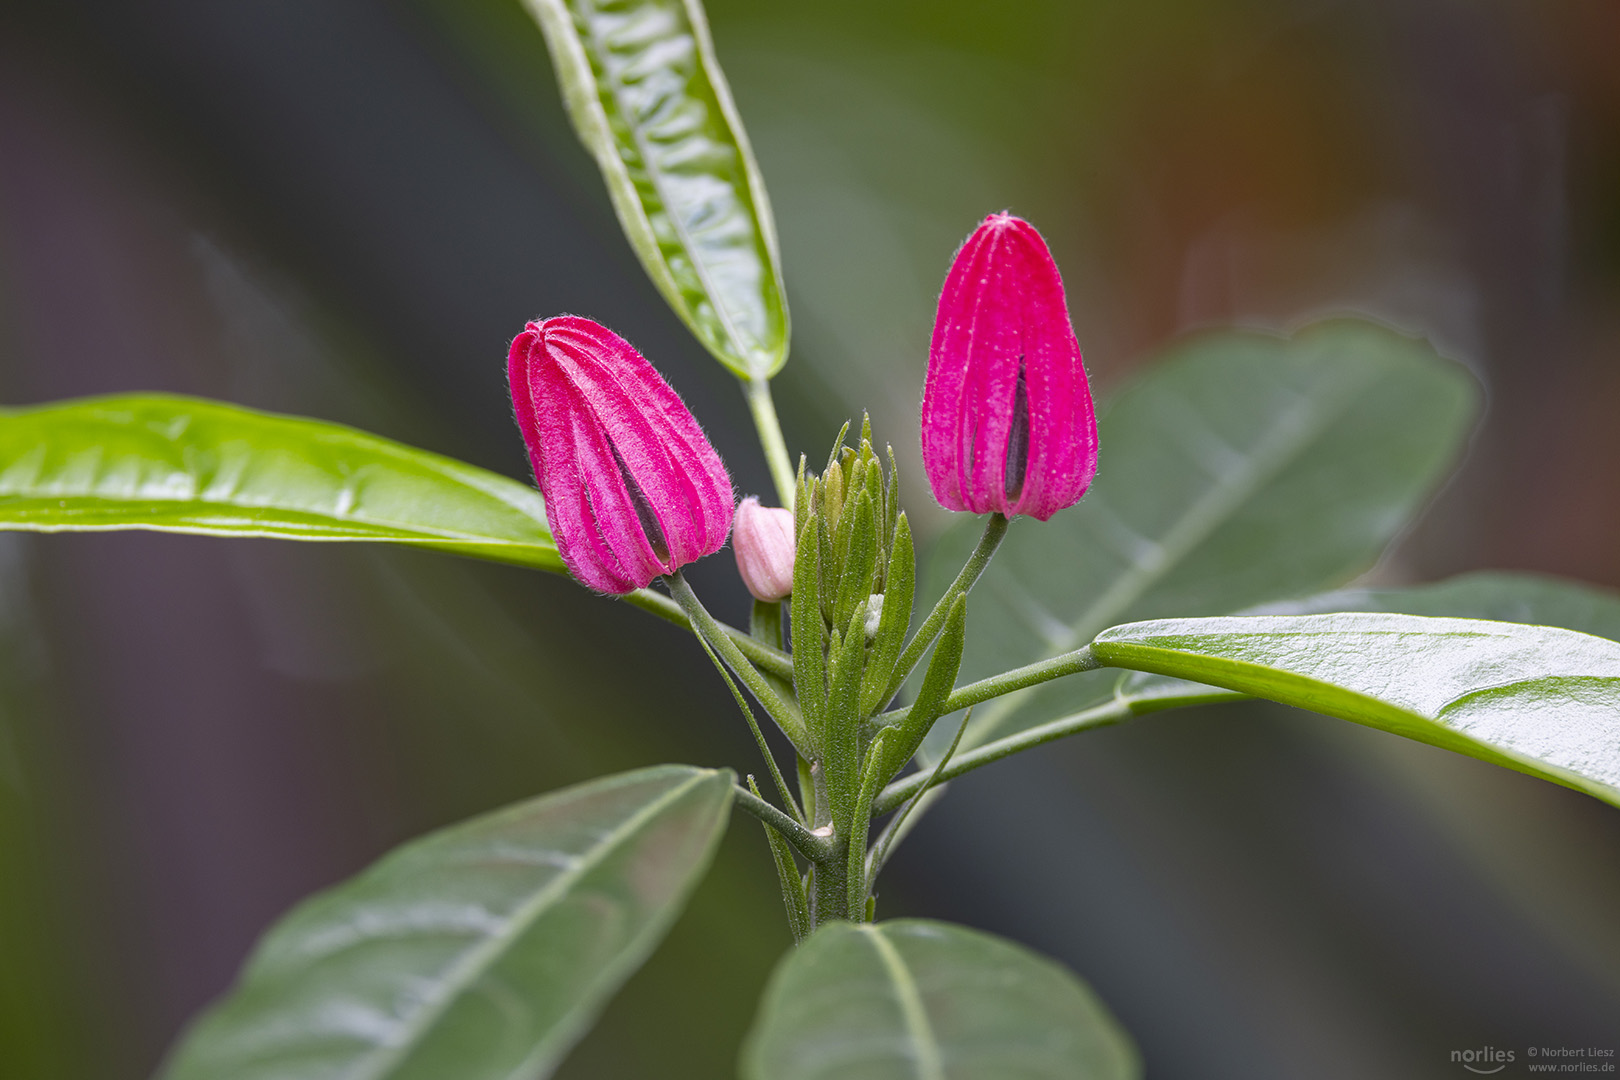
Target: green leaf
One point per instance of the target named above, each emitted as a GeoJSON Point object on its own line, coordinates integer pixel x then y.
{"type": "Point", "coordinates": [178, 464]}
{"type": "Point", "coordinates": [1543, 700]}
{"type": "Point", "coordinates": [1241, 468]}
{"type": "Point", "coordinates": [481, 951]}
{"type": "Point", "coordinates": [914, 999]}
{"type": "Point", "coordinates": [1489, 594]}
{"type": "Point", "coordinates": [641, 82]}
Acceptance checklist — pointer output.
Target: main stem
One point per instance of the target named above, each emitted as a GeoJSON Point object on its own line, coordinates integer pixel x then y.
{"type": "Point", "coordinates": [763, 407]}
{"type": "Point", "coordinates": [832, 886]}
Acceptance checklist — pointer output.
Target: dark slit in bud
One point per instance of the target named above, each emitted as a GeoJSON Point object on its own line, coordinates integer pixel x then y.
{"type": "Point", "coordinates": [1017, 463]}
{"type": "Point", "coordinates": [644, 510]}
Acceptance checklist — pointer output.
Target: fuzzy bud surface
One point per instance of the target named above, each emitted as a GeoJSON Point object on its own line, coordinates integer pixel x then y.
{"type": "Point", "coordinates": [1007, 419]}
{"type": "Point", "coordinates": [633, 489]}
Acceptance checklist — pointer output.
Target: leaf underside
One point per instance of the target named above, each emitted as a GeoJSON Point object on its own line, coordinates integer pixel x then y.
{"type": "Point", "coordinates": [482, 951]}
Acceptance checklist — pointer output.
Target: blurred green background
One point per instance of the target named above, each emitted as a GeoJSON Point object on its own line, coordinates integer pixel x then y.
{"type": "Point", "coordinates": [346, 208]}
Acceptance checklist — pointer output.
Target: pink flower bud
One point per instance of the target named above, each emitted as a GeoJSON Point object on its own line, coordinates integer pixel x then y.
{"type": "Point", "coordinates": [763, 541]}
{"type": "Point", "coordinates": [633, 490]}
{"type": "Point", "coordinates": [1007, 422]}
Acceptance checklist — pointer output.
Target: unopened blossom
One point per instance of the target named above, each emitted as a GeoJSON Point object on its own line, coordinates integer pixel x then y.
{"type": "Point", "coordinates": [763, 542]}
{"type": "Point", "coordinates": [633, 489]}
{"type": "Point", "coordinates": [1007, 420]}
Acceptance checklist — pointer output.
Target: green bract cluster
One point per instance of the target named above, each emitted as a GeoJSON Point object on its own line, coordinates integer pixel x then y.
{"type": "Point", "coordinates": [853, 582]}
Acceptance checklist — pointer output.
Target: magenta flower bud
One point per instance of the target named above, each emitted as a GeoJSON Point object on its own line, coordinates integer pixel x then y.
{"type": "Point", "coordinates": [633, 490]}
{"type": "Point", "coordinates": [763, 541]}
{"type": "Point", "coordinates": [1007, 421]}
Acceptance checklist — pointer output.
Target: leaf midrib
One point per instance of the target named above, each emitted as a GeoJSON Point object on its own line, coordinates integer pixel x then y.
{"type": "Point", "coordinates": [925, 1054]}
{"type": "Point", "coordinates": [377, 1063]}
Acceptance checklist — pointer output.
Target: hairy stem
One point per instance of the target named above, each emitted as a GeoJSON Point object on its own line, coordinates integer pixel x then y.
{"type": "Point", "coordinates": [704, 624]}
{"type": "Point", "coordinates": [817, 849]}
{"type": "Point", "coordinates": [974, 693]}
{"type": "Point", "coordinates": [1101, 716]}
{"type": "Point", "coordinates": [759, 736]}
{"type": "Point", "coordinates": [775, 661]}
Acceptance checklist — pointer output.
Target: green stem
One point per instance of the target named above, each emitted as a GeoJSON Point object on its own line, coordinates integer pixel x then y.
{"type": "Point", "coordinates": [1101, 716]}
{"type": "Point", "coordinates": [759, 736]}
{"type": "Point", "coordinates": [775, 661]}
{"type": "Point", "coordinates": [787, 876]}
{"type": "Point", "coordinates": [817, 849]}
{"type": "Point", "coordinates": [763, 407]}
{"type": "Point", "coordinates": [975, 693]}
{"type": "Point", "coordinates": [994, 530]}
{"type": "Point", "coordinates": [832, 887]}
{"type": "Point", "coordinates": [705, 624]}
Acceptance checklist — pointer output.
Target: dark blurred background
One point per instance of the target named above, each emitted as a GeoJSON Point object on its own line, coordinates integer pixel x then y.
{"type": "Point", "coordinates": [346, 208]}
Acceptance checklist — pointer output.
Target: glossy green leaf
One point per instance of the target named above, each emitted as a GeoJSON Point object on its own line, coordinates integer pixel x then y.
{"type": "Point", "coordinates": [178, 464]}
{"type": "Point", "coordinates": [1539, 699]}
{"type": "Point", "coordinates": [914, 999]}
{"type": "Point", "coordinates": [1507, 597]}
{"type": "Point", "coordinates": [481, 951]}
{"type": "Point", "coordinates": [648, 99]}
{"type": "Point", "coordinates": [1241, 468]}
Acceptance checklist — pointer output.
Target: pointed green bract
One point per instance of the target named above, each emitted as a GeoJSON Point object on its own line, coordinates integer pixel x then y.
{"type": "Point", "coordinates": [648, 100]}
{"type": "Point", "coordinates": [914, 999]}
{"type": "Point", "coordinates": [179, 464]}
{"type": "Point", "coordinates": [482, 951]}
{"type": "Point", "coordinates": [1542, 700]}
{"type": "Point", "coordinates": [1241, 468]}
{"type": "Point", "coordinates": [809, 632]}
{"type": "Point", "coordinates": [936, 687]}
{"type": "Point", "coordinates": [860, 560]}
{"type": "Point", "coordinates": [899, 582]}
{"type": "Point", "coordinates": [843, 722]}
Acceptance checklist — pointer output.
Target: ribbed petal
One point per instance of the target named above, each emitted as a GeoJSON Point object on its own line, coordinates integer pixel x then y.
{"type": "Point", "coordinates": [633, 489]}
{"type": "Point", "coordinates": [1003, 321]}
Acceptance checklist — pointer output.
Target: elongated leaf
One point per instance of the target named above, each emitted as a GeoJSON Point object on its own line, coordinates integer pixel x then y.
{"type": "Point", "coordinates": [647, 97]}
{"type": "Point", "coordinates": [914, 999]}
{"type": "Point", "coordinates": [1241, 468]}
{"type": "Point", "coordinates": [1539, 699]}
{"type": "Point", "coordinates": [481, 951]}
{"type": "Point", "coordinates": [1521, 598]}
{"type": "Point", "coordinates": [178, 464]}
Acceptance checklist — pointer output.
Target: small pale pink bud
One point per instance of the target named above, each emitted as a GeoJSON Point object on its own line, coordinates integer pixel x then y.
{"type": "Point", "coordinates": [1007, 420]}
{"type": "Point", "coordinates": [633, 490]}
{"type": "Point", "coordinates": [763, 541]}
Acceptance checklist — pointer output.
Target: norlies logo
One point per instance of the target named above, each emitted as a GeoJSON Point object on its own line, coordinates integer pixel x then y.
{"type": "Point", "coordinates": [1485, 1060]}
